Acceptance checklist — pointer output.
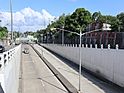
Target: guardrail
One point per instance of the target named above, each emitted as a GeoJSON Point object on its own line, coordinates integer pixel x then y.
{"type": "Point", "coordinates": [9, 69]}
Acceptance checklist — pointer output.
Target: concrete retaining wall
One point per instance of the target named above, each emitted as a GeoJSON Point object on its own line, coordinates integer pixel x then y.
{"type": "Point", "coordinates": [108, 63]}
{"type": "Point", "coordinates": [9, 70]}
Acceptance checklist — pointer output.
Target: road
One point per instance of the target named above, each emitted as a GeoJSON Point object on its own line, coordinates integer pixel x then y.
{"type": "Point", "coordinates": [35, 76]}
{"type": "Point", "coordinates": [9, 47]}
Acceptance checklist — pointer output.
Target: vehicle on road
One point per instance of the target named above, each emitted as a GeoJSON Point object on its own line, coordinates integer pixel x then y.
{"type": "Point", "coordinates": [2, 49]}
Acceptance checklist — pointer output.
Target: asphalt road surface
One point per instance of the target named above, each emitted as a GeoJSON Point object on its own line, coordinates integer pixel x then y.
{"type": "Point", "coordinates": [35, 76]}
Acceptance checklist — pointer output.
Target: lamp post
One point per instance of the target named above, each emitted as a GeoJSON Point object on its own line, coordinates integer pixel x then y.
{"type": "Point", "coordinates": [0, 22]}
{"type": "Point", "coordinates": [63, 31]}
{"type": "Point", "coordinates": [80, 54]}
{"type": "Point", "coordinates": [63, 35]}
{"type": "Point", "coordinates": [11, 21]}
{"type": "Point", "coordinates": [80, 61]}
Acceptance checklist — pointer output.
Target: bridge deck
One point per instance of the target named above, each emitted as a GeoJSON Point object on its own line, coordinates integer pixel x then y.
{"type": "Point", "coordinates": [36, 76]}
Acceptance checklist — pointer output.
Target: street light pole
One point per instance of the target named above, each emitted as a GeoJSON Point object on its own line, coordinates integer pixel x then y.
{"type": "Point", "coordinates": [0, 22]}
{"type": "Point", "coordinates": [11, 21]}
{"type": "Point", "coordinates": [63, 31]}
{"type": "Point", "coordinates": [80, 54]}
{"type": "Point", "coordinates": [80, 62]}
{"type": "Point", "coordinates": [63, 35]}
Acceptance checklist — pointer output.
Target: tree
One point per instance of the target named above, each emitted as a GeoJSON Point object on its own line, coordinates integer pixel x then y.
{"type": "Point", "coordinates": [3, 32]}
{"type": "Point", "coordinates": [96, 16]}
{"type": "Point", "coordinates": [81, 18]}
{"type": "Point", "coordinates": [121, 21]}
{"type": "Point", "coordinates": [113, 21]}
{"type": "Point", "coordinates": [78, 19]}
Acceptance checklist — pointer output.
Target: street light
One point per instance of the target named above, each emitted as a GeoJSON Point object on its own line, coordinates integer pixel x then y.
{"type": "Point", "coordinates": [11, 20]}
{"type": "Point", "coordinates": [0, 22]}
{"type": "Point", "coordinates": [63, 35]}
{"type": "Point", "coordinates": [63, 27]}
{"type": "Point", "coordinates": [80, 54]}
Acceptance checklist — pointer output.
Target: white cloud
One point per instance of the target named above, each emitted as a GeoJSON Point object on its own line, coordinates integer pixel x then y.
{"type": "Point", "coordinates": [27, 19]}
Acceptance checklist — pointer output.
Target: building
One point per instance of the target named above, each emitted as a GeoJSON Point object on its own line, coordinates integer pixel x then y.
{"type": "Point", "coordinates": [98, 25]}
{"type": "Point", "coordinates": [27, 39]}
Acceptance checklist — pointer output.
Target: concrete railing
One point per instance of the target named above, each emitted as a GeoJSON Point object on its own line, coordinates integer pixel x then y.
{"type": "Point", "coordinates": [9, 69]}
{"type": "Point", "coordinates": [108, 63]}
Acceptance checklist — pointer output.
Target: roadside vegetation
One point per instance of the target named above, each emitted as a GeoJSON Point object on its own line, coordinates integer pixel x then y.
{"type": "Point", "coordinates": [3, 32]}
{"type": "Point", "coordinates": [81, 18]}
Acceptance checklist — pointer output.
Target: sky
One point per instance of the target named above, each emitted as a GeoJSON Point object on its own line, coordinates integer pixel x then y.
{"type": "Point", "coordinates": [36, 14]}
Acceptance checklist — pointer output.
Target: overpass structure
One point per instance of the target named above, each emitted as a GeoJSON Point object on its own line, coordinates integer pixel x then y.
{"type": "Point", "coordinates": [9, 70]}
{"type": "Point", "coordinates": [54, 69]}
{"type": "Point", "coordinates": [106, 63]}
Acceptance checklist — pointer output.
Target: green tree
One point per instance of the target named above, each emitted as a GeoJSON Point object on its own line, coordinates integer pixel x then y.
{"type": "Point", "coordinates": [96, 16]}
{"type": "Point", "coordinates": [3, 32]}
{"type": "Point", "coordinates": [113, 21]}
{"type": "Point", "coordinates": [121, 21]}
{"type": "Point", "coordinates": [81, 18]}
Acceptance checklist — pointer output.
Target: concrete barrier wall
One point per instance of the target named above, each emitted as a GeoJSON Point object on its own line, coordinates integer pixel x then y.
{"type": "Point", "coordinates": [108, 63]}
{"type": "Point", "coordinates": [9, 70]}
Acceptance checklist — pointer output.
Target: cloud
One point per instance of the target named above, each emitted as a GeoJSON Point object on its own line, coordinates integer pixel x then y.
{"type": "Point", "coordinates": [27, 19]}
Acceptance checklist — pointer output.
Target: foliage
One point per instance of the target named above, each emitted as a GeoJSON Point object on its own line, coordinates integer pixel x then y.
{"type": "Point", "coordinates": [113, 21]}
{"type": "Point", "coordinates": [3, 32]}
{"type": "Point", "coordinates": [80, 19]}
{"type": "Point", "coordinates": [121, 21]}
{"type": "Point", "coordinates": [96, 16]}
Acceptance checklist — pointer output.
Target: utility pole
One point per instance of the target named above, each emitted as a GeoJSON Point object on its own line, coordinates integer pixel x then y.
{"type": "Point", "coordinates": [0, 23]}
{"type": "Point", "coordinates": [63, 27]}
{"type": "Point", "coordinates": [80, 52]}
{"type": "Point", "coordinates": [11, 21]}
{"type": "Point", "coordinates": [80, 61]}
{"type": "Point", "coordinates": [0, 19]}
{"type": "Point", "coordinates": [63, 35]}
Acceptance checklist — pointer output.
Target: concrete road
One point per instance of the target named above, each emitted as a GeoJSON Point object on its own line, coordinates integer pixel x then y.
{"type": "Point", "coordinates": [36, 76]}
{"type": "Point", "coordinates": [89, 84]}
